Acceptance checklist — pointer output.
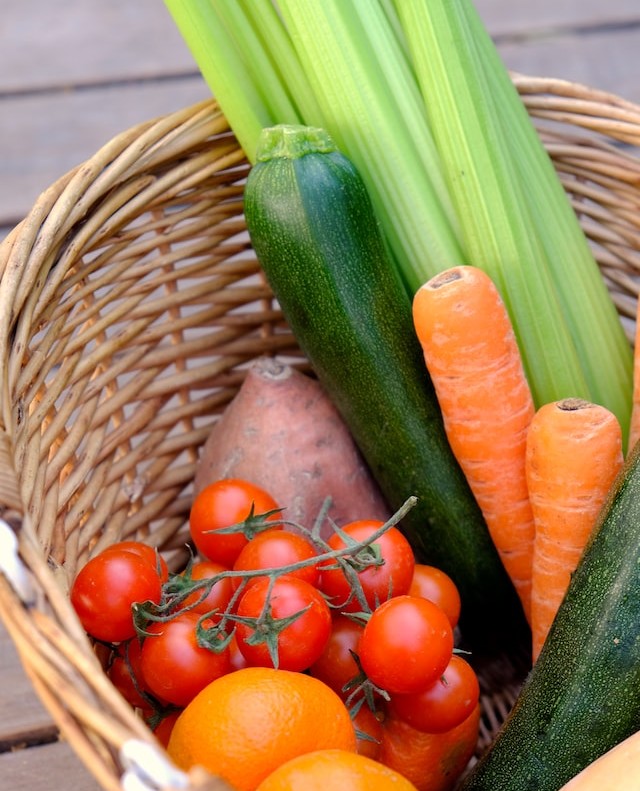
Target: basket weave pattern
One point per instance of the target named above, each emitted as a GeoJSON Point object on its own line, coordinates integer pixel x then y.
{"type": "Point", "coordinates": [131, 305]}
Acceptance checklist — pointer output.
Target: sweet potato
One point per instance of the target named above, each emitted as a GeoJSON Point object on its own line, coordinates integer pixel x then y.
{"type": "Point", "coordinates": [282, 432]}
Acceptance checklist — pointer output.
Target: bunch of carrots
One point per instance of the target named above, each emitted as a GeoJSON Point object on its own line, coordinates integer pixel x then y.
{"type": "Point", "coordinates": [541, 475]}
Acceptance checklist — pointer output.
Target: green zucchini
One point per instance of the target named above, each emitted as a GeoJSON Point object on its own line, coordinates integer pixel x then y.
{"type": "Point", "coordinates": [582, 696]}
{"type": "Point", "coordinates": [312, 226]}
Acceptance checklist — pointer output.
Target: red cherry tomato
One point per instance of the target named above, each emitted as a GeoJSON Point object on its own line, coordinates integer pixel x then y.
{"type": "Point", "coordinates": [125, 674]}
{"type": "Point", "coordinates": [433, 584]}
{"type": "Point", "coordinates": [406, 644]}
{"type": "Point", "coordinates": [444, 704]}
{"type": "Point", "coordinates": [238, 661]}
{"type": "Point", "coordinates": [277, 548]}
{"type": "Point", "coordinates": [301, 642]}
{"type": "Point", "coordinates": [174, 666]}
{"type": "Point", "coordinates": [105, 589]}
{"type": "Point", "coordinates": [392, 578]}
{"type": "Point", "coordinates": [145, 551]}
{"type": "Point", "coordinates": [162, 730]}
{"type": "Point", "coordinates": [369, 731]}
{"type": "Point", "coordinates": [219, 595]}
{"type": "Point", "coordinates": [336, 665]}
{"type": "Point", "coordinates": [223, 504]}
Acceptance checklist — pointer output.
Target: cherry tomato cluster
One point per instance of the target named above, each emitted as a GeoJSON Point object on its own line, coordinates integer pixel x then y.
{"type": "Point", "coordinates": [355, 610]}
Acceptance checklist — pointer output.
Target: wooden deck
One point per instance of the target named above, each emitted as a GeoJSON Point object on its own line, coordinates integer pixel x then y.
{"type": "Point", "coordinates": [74, 74]}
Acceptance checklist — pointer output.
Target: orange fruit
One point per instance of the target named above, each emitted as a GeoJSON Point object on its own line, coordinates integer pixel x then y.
{"type": "Point", "coordinates": [431, 761]}
{"type": "Point", "coordinates": [339, 769]}
{"type": "Point", "coordinates": [245, 724]}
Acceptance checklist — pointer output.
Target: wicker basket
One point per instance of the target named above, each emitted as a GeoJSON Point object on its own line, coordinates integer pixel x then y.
{"type": "Point", "coordinates": [130, 307]}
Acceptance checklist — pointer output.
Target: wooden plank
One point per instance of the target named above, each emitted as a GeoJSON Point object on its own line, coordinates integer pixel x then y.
{"type": "Point", "coordinates": [44, 136]}
{"type": "Point", "coordinates": [525, 19]}
{"type": "Point", "coordinates": [49, 766]}
{"type": "Point", "coordinates": [23, 718]}
{"type": "Point", "coordinates": [608, 61]}
{"type": "Point", "coordinates": [90, 40]}
{"type": "Point", "coordinates": [586, 41]}
{"type": "Point", "coordinates": [122, 63]}
{"type": "Point", "coordinates": [85, 41]}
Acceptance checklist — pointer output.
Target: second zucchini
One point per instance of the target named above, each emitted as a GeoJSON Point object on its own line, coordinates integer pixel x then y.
{"type": "Point", "coordinates": [581, 697]}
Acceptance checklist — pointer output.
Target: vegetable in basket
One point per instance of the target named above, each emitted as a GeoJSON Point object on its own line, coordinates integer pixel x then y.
{"type": "Point", "coordinates": [283, 433]}
{"type": "Point", "coordinates": [616, 770]}
{"type": "Point", "coordinates": [473, 359]}
{"type": "Point", "coordinates": [313, 229]}
{"type": "Point", "coordinates": [432, 761]}
{"type": "Point", "coordinates": [634, 428]}
{"type": "Point", "coordinates": [416, 95]}
{"type": "Point", "coordinates": [581, 697]}
{"type": "Point", "coordinates": [574, 452]}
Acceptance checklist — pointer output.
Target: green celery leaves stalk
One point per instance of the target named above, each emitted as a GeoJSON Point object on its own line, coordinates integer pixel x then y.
{"type": "Point", "coordinates": [515, 218]}
{"type": "Point", "coordinates": [247, 59]}
{"type": "Point", "coordinates": [416, 95]}
{"type": "Point", "coordinates": [355, 62]}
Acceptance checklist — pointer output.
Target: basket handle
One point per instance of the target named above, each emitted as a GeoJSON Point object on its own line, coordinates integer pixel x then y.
{"type": "Point", "coordinates": [148, 769]}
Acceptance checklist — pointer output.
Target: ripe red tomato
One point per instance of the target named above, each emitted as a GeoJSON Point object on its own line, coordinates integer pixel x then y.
{"type": "Point", "coordinates": [432, 583]}
{"type": "Point", "coordinates": [145, 551]}
{"type": "Point", "coordinates": [406, 644]}
{"type": "Point", "coordinates": [237, 659]}
{"type": "Point", "coordinates": [301, 642]}
{"type": "Point", "coordinates": [392, 578]}
{"type": "Point", "coordinates": [125, 673]}
{"type": "Point", "coordinates": [336, 665]}
{"type": "Point", "coordinates": [105, 589]}
{"type": "Point", "coordinates": [162, 730]}
{"type": "Point", "coordinates": [174, 666]}
{"type": "Point", "coordinates": [277, 548]}
{"type": "Point", "coordinates": [444, 704]}
{"type": "Point", "coordinates": [223, 504]}
{"type": "Point", "coordinates": [219, 595]}
{"type": "Point", "coordinates": [369, 731]}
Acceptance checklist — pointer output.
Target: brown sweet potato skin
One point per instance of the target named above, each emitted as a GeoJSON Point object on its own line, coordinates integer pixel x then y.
{"type": "Point", "coordinates": [282, 432]}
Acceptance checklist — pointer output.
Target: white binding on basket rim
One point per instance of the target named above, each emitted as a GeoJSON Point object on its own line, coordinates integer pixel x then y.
{"type": "Point", "coordinates": [148, 769]}
{"type": "Point", "coordinates": [12, 566]}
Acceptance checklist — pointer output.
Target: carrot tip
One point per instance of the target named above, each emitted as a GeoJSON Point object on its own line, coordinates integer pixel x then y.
{"type": "Point", "coordinates": [573, 404]}
{"type": "Point", "coordinates": [442, 279]}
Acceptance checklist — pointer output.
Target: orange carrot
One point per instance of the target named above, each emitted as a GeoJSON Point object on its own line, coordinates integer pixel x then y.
{"type": "Point", "coordinates": [634, 428]}
{"type": "Point", "coordinates": [472, 356]}
{"type": "Point", "coordinates": [574, 452]}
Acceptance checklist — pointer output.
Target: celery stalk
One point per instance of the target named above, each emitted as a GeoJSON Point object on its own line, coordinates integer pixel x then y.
{"type": "Point", "coordinates": [273, 38]}
{"type": "Point", "coordinates": [263, 73]}
{"type": "Point", "coordinates": [600, 338]}
{"type": "Point", "coordinates": [224, 68]}
{"type": "Point", "coordinates": [513, 212]}
{"type": "Point", "coordinates": [373, 110]}
{"type": "Point", "coordinates": [247, 59]}
{"type": "Point", "coordinates": [489, 198]}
